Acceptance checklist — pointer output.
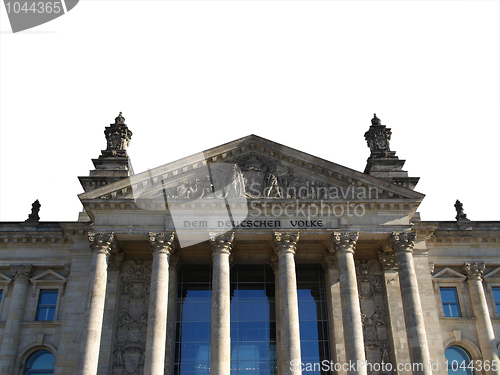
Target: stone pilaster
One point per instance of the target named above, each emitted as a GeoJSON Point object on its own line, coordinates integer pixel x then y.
{"type": "Point", "coordinates": [395, 309]}
{"type": "Point", "coordinates": [402, 243]}
{"type": "Point", "coordinates": [220, 350]}
{"type": "Point", "coordinates": [487, 341]}
{"type": "Point", "coordinates": [12, 331]}
{"type": "Point", "coordinates": [343, 245]}
{"type": "Point", "coordinates": [101, 245]}
{"type": "Point", "coordinates": [336, 328]}
{"type": "Point", "coordinates": [275, 266]}
{"type": "Point", "coordinates": [162, 245]}
{"type": "Point", "coordinates": [285, 246]}
{"type": "Point", "coordinates": [174, 266]}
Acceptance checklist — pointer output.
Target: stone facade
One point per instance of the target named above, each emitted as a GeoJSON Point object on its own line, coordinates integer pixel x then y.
{"type": "Point", "coordinates": [113, 275]}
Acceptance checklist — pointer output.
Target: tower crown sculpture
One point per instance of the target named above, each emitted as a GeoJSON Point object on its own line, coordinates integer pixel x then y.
{"type": "Point", "coordinates": [378, 137]}
{"type": "Point", "coordinates": [117, 137]}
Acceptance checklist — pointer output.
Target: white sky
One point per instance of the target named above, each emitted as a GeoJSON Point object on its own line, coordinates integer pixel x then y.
{"type": "Point", "coordinates": [191, 75]}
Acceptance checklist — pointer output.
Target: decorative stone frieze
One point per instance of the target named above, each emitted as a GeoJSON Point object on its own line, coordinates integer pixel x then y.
{"type": "Point", "coordinates": [115, 261]}
{"type": "Point", "coordinates": [328, 261]}
{"type": "Point", "coordinates": [474, 271]}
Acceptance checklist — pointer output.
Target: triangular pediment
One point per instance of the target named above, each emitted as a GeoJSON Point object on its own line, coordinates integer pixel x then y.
{"type": "Point", "coordinates": [450, 274]}
{"type": "Point", "coordinates": [255, 168]}
{"type": "Point", "coordinates": [48, 276]}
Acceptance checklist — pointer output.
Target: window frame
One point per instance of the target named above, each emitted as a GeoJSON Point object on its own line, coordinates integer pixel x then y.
{"type": "Point", "coordinates": [48, 280]}
{"type": "Point", "coordinates": [449, 278]}
{"type": "Point", "coordinates": [47, 306]}
{"type": "Point", "coordinates": [33, 353]}
{"type": "Point", "coordinates": [4, 287]}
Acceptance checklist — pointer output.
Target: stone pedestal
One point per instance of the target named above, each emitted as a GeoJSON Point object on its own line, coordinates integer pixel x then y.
{"type": "Point", "coordinates": [101, 245]}
{"type": "Point", "coordinates": [343, 245]}
{"type": "Point", "coordinates": [285, 245]}
{"type": "Point", "coordinates": [220, 350]}
{"type": "Point", "coordinates": [12, 331]}
{"type": "Point", "coordinates": [484, 328]}
{"type": "Point", "coordinates": [162, 245]}
{"type": "Point", "coordinates": [402, 243]}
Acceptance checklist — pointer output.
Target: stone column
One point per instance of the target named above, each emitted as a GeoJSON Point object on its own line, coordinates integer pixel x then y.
{"type": "Point", "coordinates": [275, 266]}
{"type": "Point", "coordinates": [395, 309]}
{"type": "Point", "coordinates": [12, 331]}
{"type": "Point", "coordinates": [484, 327]}
{"type": "Point", "coordinates": [402, 243]}
{"type": "Point", "coordinates": [285, 245]}
{"type": "Point", "coordinates": [336, 329]}
{"type": "Point", "coordinates": [162, 245]}
{"type": "Point", "coordinates": [220, 349]}
{"type": "Point", "coordinates": [344, 245]}
{"type": "Point", "coordinates": [101, 245]}
{"type": "Point", "coordinates": [175, 264]}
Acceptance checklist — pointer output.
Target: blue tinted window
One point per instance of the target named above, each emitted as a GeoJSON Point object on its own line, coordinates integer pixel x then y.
{"type": "Point", "coordinates": [47, 302]}
{"type": "Point", "coordinates": [449, 298]}
{"type": "Point", "coordinates": [496, 296]}
{"type": "Point", "coordinates": [458, 361]}
{"type": "Point", "coordinates": [1, 294]}
{"type": "Point", "coordinates": [41, 363]}
{"type": "Point", "coordinates": [253, 326]}
{"type": "Point", "coordinates": [194, 304]}
{"type": "Point", "coordinates": [314, 344]}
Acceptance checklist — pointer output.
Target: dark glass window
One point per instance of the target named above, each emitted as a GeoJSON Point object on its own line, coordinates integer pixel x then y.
{"type": "Point", "coordinates": [449, 298]}
{"type": "Point", "coordinates": [459, 361]}
{"type": "Point", "coordinates": [1, 295]}
{"type": "Point", "coordinates": [41, 363]}
{"type": "Point", "coordinates": [496, 296]}
{"type": "Point", "coordinates": [253, 325]}
{"type": "Point", "coordinates": [194, 303]}
{"type": "Point", "coordinates": [47, 302]}
{"type": "Point", "coordinates": [314, 345]}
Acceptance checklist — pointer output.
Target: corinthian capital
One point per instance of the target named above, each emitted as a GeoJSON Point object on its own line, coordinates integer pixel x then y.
{"type": "Point", "coordinates": [285, 242]}
{"type": "Point", "coordinates": [102, 242]}
{"type": "Point", "coordinates": [21, 272]}
{"type": "Point", "coordinates": [474, 270]}
{"type": "Point", "coordinates": [221, 242]}
{"type": "Point", "coordinates": [344, 241]}
{"type": "Point", "coordinates": [403, 241]}
{"type": "Point", "coordinates": [162, 242]}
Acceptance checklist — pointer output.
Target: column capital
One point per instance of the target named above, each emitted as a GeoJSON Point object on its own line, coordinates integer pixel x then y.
{"type": "Point", "coordinates": [474, 270]}
{"type": "Point", "coordinates": [403, 241]}
{"type": "Point", "coordinates": [388, 260]}
{"type": "Point", "coordinates": [102, 242]}
{"type": "Point", "coordinates": [329, 260]}
{"type": "Point", "coordinates": [162, 242]}
{"type": "Point", "coordinates": [221, 242]}
{"type": "Point", "coordinates": [21, 271]}
{"type": "Point", "coordinates": [344, 241]}
{"type": "Point", "coordinates": [285, 242]}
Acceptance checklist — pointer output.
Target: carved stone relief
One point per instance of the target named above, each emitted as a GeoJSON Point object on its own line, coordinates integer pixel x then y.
{"type": "Point", "coordinates": [131, 323]}
{"type": "Point", "coordinates": [373, 315]}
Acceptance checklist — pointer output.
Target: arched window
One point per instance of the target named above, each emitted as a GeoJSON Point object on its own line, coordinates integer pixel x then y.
{"type": "Point", "coordinates": [40, 363]}
{"type": "Point", "coordinates": [458, 360]}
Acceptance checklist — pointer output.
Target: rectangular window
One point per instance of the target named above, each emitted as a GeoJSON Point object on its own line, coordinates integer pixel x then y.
{"type": "Point", "coordinates": [46, 304]}
{"type": "Point", "coordinates": [449, 298]}
{"type": "Point", "coordinates": [496, 296]}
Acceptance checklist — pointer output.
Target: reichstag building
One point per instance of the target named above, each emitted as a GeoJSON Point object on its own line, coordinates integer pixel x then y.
{"type": "Point", "coordinates": [250, 258]}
